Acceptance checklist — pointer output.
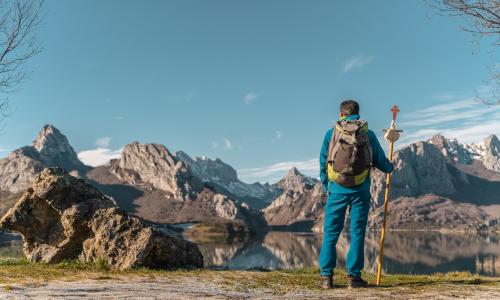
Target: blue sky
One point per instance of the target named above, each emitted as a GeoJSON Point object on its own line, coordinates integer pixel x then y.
{"type": "Point", "coordinates": [255, 83]}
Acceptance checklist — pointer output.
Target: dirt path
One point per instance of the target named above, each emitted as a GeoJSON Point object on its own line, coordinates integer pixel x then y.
{"type": "Point", "coordinates": [144, 287]}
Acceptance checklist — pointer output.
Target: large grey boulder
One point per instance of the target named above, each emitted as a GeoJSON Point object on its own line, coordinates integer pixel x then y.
{"type": "Point", "coordinates": [61, 217]}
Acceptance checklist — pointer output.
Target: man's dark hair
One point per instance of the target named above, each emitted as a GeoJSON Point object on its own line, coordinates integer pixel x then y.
{"type": "Point", "coordinates": [349, 107]}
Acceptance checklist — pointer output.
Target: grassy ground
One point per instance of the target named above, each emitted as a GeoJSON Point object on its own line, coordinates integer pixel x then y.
{"type": "Point", "coordinates": [19, 272]}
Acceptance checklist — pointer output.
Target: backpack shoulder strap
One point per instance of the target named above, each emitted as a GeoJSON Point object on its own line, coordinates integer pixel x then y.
{"type": "Point", "coordinates": [334, 142]}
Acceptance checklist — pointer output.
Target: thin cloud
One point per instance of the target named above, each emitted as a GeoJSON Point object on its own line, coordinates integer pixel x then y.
{"type": "Point", "coordinates": [227, 144]}
{"type": "Point", "coordinates": [279, 134]}
{"type": "Point", "coordinates": [465, 120]}
{"type": "Point", "coordinates": [103, 142]}
{"type": "Point", "coordinates": [356, 63]}
{"type": "Point", "coordinates": [250, 97]}
{"type": "Point", "coordinates": [447, 96]}
{"type": "Point", "coordinates": [99, 156]}
{"type": "Point", "coordinates": [276, 171]}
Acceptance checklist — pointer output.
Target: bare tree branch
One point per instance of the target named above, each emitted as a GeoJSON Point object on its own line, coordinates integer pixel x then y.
{"type": "Point", "coordinates": [482, 19]}
{"type": "Point", "coordinates": [19, 21]}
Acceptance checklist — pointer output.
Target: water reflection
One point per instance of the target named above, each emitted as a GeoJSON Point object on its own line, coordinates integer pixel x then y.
{"type": "Point", "coordinates": [406, 252]}
{"type": "Point", "coordinates": [11, 245]}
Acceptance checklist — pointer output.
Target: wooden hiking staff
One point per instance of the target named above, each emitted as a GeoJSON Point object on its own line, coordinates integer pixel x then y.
{"type": "Point", "coordinates": [392, 135]}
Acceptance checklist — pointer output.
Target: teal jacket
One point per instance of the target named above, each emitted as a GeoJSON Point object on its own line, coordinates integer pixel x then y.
{"type": "Point", "coordinates": [379, 161]}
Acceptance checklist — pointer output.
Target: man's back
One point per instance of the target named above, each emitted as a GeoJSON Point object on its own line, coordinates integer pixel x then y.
{"type": "Point", "coordinates": [379, 161]}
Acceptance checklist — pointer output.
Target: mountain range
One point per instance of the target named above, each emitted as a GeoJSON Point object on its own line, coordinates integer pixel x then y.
{"type": "Point", "coordinates": [437, 184]}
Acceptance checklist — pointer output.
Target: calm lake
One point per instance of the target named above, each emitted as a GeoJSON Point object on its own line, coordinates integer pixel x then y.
{"type": "Point", "coordinates": [405, 252]}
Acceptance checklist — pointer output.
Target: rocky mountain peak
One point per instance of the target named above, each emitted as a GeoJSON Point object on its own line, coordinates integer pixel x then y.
{"type": "Point", "coordinates": [50, 149]}
{"type": "Point", "coordinates": [54, 149]}
{"type": "Point", "coordinates": [453, 150]}
{"type": "Point", "coordinates": [293, 172]}
{"type": "Point", "coordinates": [50, 137]}
{"type": "Point", "coordinates": [224, 179]}
{"type": "Point", "coordinates": [422, 168]}
{"type": "Point", "coordinates": [153, 164]}
{"type": "Point", "coordinates": [493, 144]}
{"type": "Point", "coordinates": [491, 155]}
{"type": "Point", "coordinates": [209, 169]}
{"type": "Point", "coordinates": [439, 141]}
{"type": "Point", "coordinates": [295, 181]}
{"type": "Point", "coordinates": [297, 191]}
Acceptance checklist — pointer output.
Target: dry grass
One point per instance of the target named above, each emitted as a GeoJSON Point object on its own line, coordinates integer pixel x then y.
{"type": "Point", "coordinates": [15, 272]}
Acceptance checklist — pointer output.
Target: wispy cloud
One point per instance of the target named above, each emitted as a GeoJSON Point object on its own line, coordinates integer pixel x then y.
{"type": "Point", "coordinates": [250, 97]}
{"type": "Point", "coordinates": [356, 62]}
{"type": "Point", "coordinates": [227, 144]}
{"type": "Point", "coordinates": [465, 120]}
{"type": "Point", "coordinates": [99, 156]}
{"type": "Point", "coordinates": [279, 134]}
{"type": "Point", "coordinates": [447, 96]}
{"type": "Point", "coordinates": [103, 142]}
{"type": "Point", "coordinates": [276, 171]}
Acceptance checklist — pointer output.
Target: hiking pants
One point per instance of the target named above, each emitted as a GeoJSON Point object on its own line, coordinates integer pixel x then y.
{"type": "Point", "coordinates": [336, 206]}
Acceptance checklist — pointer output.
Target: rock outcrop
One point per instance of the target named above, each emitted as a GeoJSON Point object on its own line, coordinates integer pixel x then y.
{"type": "Point", "coordinates": [492, 153]}
{"type": "Point", "coordinates": [61, 217]}
{"type": "Point", "coordinates": [51, 148]}
{"type": "Point", "coordinates": [417, 167]}
{"type": "Point", "coordinates": [224, 179]}
{"type": "Point", "coordinates": [168, 191]}
{"type": "Point", "coordinates": [153, 164]}
{"type": "Point", "coordinates": [54, 150]}
{"type": "Point", "coordinates": [445, 168]}
{"type": "Point", "coordinates": [430, 212]}
{"type": "Point", "coordinates": [300, 202]}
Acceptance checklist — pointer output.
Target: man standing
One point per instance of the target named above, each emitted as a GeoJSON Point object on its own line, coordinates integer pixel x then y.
{"type": "Point", "coordinates": [348, 153]}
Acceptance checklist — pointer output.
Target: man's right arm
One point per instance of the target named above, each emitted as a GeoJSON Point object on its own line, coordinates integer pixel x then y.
{"type": "Point", "coordinates": [380, 161]}
{"type": "Point", "coordinates": [323, 156]}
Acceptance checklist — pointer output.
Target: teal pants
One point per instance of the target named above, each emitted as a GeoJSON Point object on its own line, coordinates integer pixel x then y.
{"type": "Point", "coordinates": [335, 211]}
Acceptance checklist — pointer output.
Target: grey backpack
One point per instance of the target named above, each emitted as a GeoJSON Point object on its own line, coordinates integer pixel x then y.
{"type": "Point", "coordinates": [349, 153]}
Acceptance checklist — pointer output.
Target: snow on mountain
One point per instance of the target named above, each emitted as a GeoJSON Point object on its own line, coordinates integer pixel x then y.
{"type": "Point", "coordinates": [487, 152]}
{"type": "Point", "coordinates": [223, 176]}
